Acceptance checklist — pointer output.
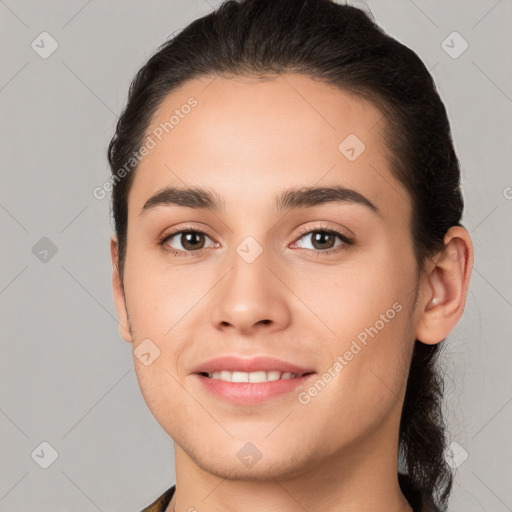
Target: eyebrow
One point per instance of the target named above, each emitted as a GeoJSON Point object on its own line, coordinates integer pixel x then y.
{"type": "Point", "coordinates": [303, 197]}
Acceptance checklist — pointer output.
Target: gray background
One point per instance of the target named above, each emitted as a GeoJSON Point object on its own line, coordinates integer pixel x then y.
{"type": "Point", "coordinates": [67, 377]}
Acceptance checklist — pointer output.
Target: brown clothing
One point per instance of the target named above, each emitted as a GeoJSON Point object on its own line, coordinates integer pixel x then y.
{"type": "Point", "coordinates": [162, 502]}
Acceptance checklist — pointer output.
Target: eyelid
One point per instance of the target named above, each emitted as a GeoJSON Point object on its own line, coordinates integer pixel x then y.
{"type": "Point", "coordinates": [346, 239]}
{"type": "Point", "coordinates": [305, 230]}
{"type": "Point", "coordinates": [185, 227]}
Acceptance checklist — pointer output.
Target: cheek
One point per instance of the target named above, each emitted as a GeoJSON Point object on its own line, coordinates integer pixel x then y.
{"type": "Point", "coordinates": [356, 299]}
{"type": "Point", "coordinates": [162, 394]}
{"type": "Point", "coordinates": [158, 298]}
{"type": "Point", "coordinates": [368, 384]}
{"type": "Point", "coordinates": [365, 321]}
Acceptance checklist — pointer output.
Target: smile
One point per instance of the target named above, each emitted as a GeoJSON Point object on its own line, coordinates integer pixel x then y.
{"type": "Point", "coordinates": [260, 376]}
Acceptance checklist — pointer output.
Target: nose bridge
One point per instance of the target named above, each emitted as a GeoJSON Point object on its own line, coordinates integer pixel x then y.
{"type": "Point", "coordinates": [250, 275]}
{"type": "Point", "coordinates": [249, 293]}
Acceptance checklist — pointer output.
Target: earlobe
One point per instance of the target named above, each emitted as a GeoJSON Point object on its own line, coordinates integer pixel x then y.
{"type": "Point", "coordinates": [118, 292]}
{"type": "Point", "coordinates": [445, 287]}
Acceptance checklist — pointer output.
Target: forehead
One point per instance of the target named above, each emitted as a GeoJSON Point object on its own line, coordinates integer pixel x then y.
{"type": "Point", "coordinates": [255, 136]}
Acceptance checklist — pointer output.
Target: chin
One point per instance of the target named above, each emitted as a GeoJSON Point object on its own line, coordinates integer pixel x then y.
{"type": "Point", "coordinates": [279, 465]}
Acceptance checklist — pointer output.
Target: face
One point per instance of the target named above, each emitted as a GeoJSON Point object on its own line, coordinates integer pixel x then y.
{"type": "Point", "coordinates": [323, 281]}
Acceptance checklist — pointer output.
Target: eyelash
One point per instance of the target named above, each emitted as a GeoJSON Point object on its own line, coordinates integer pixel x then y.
{"type": "Point", "coordinates": [347, 242]}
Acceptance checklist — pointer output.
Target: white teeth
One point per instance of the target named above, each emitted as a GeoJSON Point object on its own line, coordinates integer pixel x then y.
{"type": "Point", "coordinates": [258, 376]}
{"type": "Point", "coordinates": [261, 376]}
{"type": "Point", "coordinates": [239, 377]}
{"type": "Point", "coordinates": [274, 375]}
{"type": "Point", "coordinates": [224, 375]}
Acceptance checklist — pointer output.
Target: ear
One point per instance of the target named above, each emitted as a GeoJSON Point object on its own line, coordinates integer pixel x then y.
{"type": "Point", "coordinates": [117, 288]}
{"type": "Point", "coordinates": [444, 289]}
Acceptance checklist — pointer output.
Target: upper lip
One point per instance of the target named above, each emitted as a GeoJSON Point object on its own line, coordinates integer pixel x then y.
{"type": "Point", "coordinates": [255, 364]}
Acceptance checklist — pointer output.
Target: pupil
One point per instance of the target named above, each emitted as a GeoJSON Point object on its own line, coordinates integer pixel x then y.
{"type": "Point", "coordinates": [187, 240]}
{"type": "Point", "coordinates": [319, 237]}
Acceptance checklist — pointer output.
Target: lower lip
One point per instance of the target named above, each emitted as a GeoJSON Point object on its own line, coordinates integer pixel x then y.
{"type": "Point", "coordinates": [246, 393]}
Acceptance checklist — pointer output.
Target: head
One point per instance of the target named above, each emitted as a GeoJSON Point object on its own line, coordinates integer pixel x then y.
{"type": "Point", "coordinates": [299, 118]}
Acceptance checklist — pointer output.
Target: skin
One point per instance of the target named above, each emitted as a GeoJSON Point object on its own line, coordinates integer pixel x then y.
{"type": "Point", "coordinates": [249, 139]}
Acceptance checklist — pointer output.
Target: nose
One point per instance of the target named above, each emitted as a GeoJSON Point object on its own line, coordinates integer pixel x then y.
{"type": "Point", "coordinates": [252, 297]}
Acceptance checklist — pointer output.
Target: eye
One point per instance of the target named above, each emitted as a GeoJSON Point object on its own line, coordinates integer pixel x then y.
{"type": "Point", "coordinates": [189, 241]}
{"type": "Point", "coordinates": [186, 240]}
{"type": "Point", "coordinates": [323, 240]}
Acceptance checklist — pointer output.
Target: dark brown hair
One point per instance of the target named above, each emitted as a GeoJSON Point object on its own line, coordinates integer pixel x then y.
{"type": "Point", "coordinates": [339, 45]}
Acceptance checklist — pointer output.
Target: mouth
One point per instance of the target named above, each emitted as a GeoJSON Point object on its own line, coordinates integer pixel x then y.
{"type": "Point", "coordinates": [244, 381]}
{"type": "Point", "coordinates": [236, 388]}
{"type": "Point", "coordinates": [253, 377]}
